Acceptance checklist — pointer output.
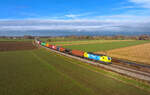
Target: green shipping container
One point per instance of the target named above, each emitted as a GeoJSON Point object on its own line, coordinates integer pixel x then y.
{"type": "Point", "coordinates": [43, 43]}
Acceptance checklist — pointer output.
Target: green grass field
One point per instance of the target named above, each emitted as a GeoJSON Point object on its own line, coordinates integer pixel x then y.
{"type": "Point", "coordinates": [40, 72]}
{"type": "Point", "coordinates": [80, 42]}
{"type": "Point", "coordinates": [104, 46]}
{"type": "Point", "coordinates": [60, 39]}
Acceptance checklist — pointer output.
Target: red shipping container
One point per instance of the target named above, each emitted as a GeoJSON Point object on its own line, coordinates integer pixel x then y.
{"type": "Point", "coordinates": [62, 49]}
{"type": "Point", "coordinates": [77, 53]}
{"type": "Point", "coordinates": [39, 42]}
{"type": "Point", "coordinates": [50, 46]}
{"type": "Point", "coordinates": [54, 47]}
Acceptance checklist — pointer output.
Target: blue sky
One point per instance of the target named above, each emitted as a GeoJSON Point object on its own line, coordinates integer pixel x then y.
{"type": "Point", "coordinates": [74, 9]}
{"type": "Point", "coordinates": [89, 15]}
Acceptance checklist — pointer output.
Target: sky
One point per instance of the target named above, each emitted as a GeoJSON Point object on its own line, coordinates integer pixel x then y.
{"type": "Point", "coordinates": [112, 15]}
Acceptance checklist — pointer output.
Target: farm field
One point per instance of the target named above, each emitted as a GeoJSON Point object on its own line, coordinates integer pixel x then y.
{"type": "Point", "coordinates": [139, 53]}
{"type": "Point", "coordinates": [16, 45]}
{"type": "Point", "coordinates": [59, 39]}
{"type": "Point", "coordinates": [40, 72]}
{"type": "Point", "coordinates": [105, 46]}
{"type": "Point", "coordinates": [6, 39]}
{"type": "Point", "coordinates": [70, 43]}
{"type": "Point", "coordinates": [64, 39]}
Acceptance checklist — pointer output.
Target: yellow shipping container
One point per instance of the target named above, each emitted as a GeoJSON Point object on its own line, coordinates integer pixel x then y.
{"type": "Point", "coordinates": [47, 44]}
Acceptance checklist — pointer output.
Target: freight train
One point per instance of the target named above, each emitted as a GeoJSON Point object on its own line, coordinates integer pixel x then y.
{"type": "Point", "coordinates": [87, 55]}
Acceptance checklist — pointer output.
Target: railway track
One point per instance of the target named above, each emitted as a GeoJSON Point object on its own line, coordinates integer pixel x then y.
{"type": "Point", "coordinates": [113, 67]}
{"type": "Point", "coordinates": [131, 70]}
{"type": "Point", "coordinates": [131, 63]}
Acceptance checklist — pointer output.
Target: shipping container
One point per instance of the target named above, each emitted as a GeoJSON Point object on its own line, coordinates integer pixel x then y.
{"type": "Point", "coordinates": [54, 47]}
{"type": "Point", "coordinates": [62, 49]}
{"type": "Point", "coordinates": [50, 46]}
{"type": "Point", "coordinates": [47, 45]}
{"type": "Point", "coordinates": [39, 42]}
{"type": "Point", "coordinates": [77, 53]}
{"type": "Point", "coordinates": [58, 47]}
{"type": "Point", "coordinates": [43, 43]}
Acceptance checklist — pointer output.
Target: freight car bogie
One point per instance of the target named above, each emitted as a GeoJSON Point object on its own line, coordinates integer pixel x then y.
{"type": "Point", "coordinates": [102, 62]}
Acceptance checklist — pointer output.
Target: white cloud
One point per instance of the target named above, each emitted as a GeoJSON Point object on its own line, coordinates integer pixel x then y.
{"type": "Point", "coordinates": [86, 25]}
{"type": "Point", "coordinates": [125, 17]}
{"type": "Point", "coordinates": [72, 15]}
{"type": "Point", "coordinates": [142, 3]}
{"type": "Point", "coordinates": [75, 16]}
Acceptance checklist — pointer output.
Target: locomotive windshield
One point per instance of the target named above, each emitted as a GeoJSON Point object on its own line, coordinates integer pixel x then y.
{"type": "Point", "coordinates": [109, 58]}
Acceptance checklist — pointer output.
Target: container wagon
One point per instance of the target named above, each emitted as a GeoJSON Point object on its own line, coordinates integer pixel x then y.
{"type": "Point", "coordinates": [54, 47]}
{"type": "Point", "coordinates": [62, 49]}
{"type": "Point", "coordinates": [43, 43]}
{"type": "Point", "coordinates": [77, 53]}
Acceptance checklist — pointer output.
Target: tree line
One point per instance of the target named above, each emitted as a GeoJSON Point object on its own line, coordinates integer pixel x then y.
{"type": "Point", "coordinates": [73, 37]}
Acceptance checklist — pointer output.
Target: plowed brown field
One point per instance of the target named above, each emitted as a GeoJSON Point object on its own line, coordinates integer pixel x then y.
{"type": "Point", "coordinates": [139, 53]}
{"type": "Point", "coordinates": [11, 46]}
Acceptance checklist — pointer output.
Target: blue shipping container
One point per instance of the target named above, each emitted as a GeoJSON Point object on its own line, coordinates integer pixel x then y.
{"type": "Point", "coordinates": [58, 48]}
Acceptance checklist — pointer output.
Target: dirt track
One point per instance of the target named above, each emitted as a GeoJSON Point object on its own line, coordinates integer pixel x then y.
{"type": "Point", "coordinates": [12, 46]}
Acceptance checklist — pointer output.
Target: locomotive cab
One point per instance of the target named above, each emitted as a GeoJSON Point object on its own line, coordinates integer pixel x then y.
{"type": "Point", "coordinates": [105, 59]}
